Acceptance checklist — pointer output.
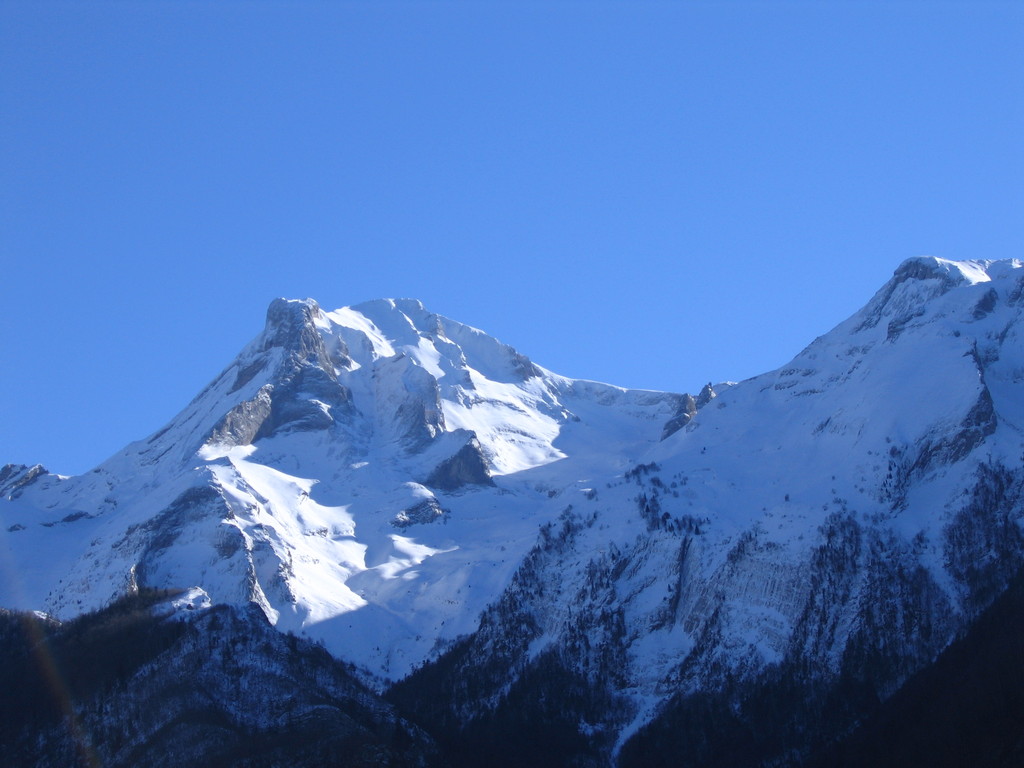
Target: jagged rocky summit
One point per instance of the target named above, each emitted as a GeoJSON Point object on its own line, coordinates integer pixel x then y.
{"type": "Point", "coordinates": [608, 567]}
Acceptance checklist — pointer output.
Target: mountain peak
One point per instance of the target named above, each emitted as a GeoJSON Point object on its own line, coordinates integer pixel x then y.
{"type": "Point", "coordinates": [922, 279]}
{"type": "Point", "coordinates": [288, 320]}
{"type": "Point", "coordinates": [950, 273]}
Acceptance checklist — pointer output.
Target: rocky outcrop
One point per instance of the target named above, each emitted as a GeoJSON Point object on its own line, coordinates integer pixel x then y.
{"type": "Point", "coordinates": [466, 467]}
{"type": "Point", "coordinates": [302, 393]}
{"type": "Point", "coordinates": [15, 477]}
{"type": "Point", "coordinates": [244, 422]}
{"type": "Point", "coordinates": [683, 416]}
{"type": "Point", "coordinates": [426, 511]}
{"type": "Point", "coordinates": [688, 409]}
{"type": "Point", "coordinates": [291, 325]}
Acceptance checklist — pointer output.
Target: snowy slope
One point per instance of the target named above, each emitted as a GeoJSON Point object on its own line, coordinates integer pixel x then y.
{"type": "Point", "coordinates": [369, 477]}
{"type": "Point", "coordinates": [848, 513]}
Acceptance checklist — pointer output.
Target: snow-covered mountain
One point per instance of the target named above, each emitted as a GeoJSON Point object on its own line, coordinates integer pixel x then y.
{"type": "Point", "coordinates": [836, 522]}
{"type": "Point", "coordinates": [370, 477]}
{"type": "Point", "coordinates": [407, 489]}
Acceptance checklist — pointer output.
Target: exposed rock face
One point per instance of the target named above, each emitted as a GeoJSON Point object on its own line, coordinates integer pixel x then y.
{"type": "Point", "coordinates": [426, 511]}
{"type": "Point", "coordinates": [688, 409]}
{"type": "Point", "coordinates": [303, 394]}
{"type": "Point", "coordinates": [706, 395]}
{"type": "Point", "coordinates": [14, 477]}
{"type": "Point", "coordinates": [308, 400]}
{"type": "Point", "coordinates": [244, 422]}
{"type": "Point", "coordinates": [466, 467]}
{"type": "Point", "coordinates": [985, 304]}
{"type": "Point", "coordinates": [979, 423]}
{"type": "Point", "coordinates": [292, 325]}
{"type": "Point", "coordinates": [686, 412]}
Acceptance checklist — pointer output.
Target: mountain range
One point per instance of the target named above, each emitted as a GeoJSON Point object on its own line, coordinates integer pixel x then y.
{"type": "Point", "coordinates": [491, 563]}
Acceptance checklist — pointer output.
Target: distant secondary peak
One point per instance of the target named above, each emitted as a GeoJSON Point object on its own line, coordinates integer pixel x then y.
{"type": "Point", "coordinates": [14, 477]}
{"type": "Point", "coordinates": [922, 279]}
{"type": "Point", "coordinates": [949, 273]}
{"type": "Point", "coordinates": [969, 272]}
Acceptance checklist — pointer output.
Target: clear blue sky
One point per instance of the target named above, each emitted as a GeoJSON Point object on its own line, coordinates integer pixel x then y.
{"type": "Point", "coordinates": [651, 194]}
